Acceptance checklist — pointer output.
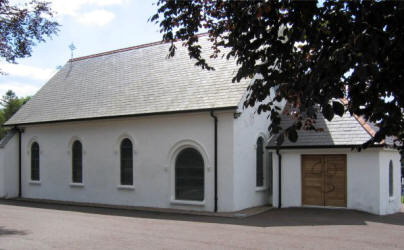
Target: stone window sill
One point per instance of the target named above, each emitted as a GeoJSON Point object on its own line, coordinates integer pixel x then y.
{"type": "Point", "coordinates": [79, 185]}
{"type": "Point", "coordinates": [184, 202]}
{"type": "Point", "coordinates": [261, 189]}
{"type": "Point", "coordinates": [126, 187]}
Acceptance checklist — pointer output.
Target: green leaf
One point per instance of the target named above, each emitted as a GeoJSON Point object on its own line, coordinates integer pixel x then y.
{"type": "Point", "coordinates": [338, 108]}
{"type": "Point", "coordinates": [363, 56]}
{"type": "Point", "coordinates": [280, 139]}
{"type": "Point", "coordinates": [292, 134]}
{"type": "Point", "coordinates": [328, 112]}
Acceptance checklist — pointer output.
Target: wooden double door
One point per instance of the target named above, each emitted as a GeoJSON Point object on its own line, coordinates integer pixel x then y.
{"type": "Point", "coordinates": [324, 180]}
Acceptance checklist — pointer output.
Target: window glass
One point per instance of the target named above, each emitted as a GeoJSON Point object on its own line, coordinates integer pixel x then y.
{"type": "Point", "coordinates": [391, 186]}
{"type": "Point", "coordinates": [77, 162]}
{"type": "Point", "coordinates": [260, 162]}
{"type": "Point", "coordinates": [126, 162]}
{"type": "Point", "coordinates": [35, 161]}
{"type": "Point", "coordinates": [189, 175]}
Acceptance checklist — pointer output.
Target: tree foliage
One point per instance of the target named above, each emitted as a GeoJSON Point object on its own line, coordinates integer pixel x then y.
{"type": "Point", "coordinates": [22, 26]}
{"type": "Point", "coordinates": [313, 53]}
{"type": "Point", "coordinates": [11, 104]}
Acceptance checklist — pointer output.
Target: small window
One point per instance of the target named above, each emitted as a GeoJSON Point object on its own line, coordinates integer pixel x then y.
{"type": "Point", "coordinates": [126, 162]}
{"type": "Point", "coordinates": [391, 182]}
{"type": "Point", "coordinates": [189, 175]}
{"type": "Point", "coordinates": [77, 162]}
{"type": "Point", "coordinates": [35, 162]}
{"type": "Point", "coordinates": [260, 162]}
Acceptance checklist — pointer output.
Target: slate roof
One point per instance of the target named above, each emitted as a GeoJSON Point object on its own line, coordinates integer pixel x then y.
{"type": "Point", "coordinates": [344, 131]}
{"type": "Point", "coordinates": [133, 81]}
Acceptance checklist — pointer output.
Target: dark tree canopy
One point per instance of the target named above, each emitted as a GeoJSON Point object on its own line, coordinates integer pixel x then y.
{"type": "Point", "coordinates": [10, 104]}
{"type": "Point", "coordinates": [22, 26]}
{"type": "Point", "coordinates": [313, 53]}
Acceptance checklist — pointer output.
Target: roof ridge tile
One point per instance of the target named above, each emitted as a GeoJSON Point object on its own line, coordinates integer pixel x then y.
{"type": "Point", "coordinates": [140, 46]}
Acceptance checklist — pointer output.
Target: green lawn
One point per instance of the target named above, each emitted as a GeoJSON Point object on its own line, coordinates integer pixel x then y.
{"type": "Point", "coordinates": [402, 199]}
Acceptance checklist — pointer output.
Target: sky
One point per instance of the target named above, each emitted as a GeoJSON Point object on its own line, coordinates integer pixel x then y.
{"type": "Point", "coordinates": [93, 26]}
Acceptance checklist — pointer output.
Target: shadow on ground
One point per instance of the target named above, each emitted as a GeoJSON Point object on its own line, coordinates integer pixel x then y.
{"type": "Point", "coordinates": [6, 231]}
{"type": "Point", "coordinates": [271, 218]}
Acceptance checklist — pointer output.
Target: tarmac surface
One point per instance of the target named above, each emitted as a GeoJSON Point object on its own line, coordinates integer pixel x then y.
{"type": "Point", "coordinates": [31, 225]}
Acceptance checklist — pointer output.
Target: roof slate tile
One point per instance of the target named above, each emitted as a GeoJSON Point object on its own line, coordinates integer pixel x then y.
{"type": "Point", "coordinates": [133, 82]}
{"type": "Point", "coordinates": [341, 131]}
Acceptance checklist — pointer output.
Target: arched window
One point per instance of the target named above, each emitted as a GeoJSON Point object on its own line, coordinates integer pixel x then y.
{"type": "Point", "coordinates": [77, 162]}
{"type": "Point", "coordinates": [35, 161]}
{"type": "Point", "coordinates": [260, 162]}
{"type": "Point", "coordinates": [189, 175]}
{"type": "Point", "coordinates": [391, 175]}
{"type": "Point", "coordinates": [126, 162]}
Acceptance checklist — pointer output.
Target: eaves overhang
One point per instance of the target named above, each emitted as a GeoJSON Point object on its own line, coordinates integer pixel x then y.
{"type": "Point", "coordinates": [122, 116]}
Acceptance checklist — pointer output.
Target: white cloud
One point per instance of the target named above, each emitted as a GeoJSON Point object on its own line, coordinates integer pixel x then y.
{"type": "Point", "coordinates": [75, 8]}
{"type": "Point", "coordinates": [108, 2]}
{"type": "Point", "coordinates": [19, 88]}
{"type": "Point", "coordinates": [96, 17]}
{"type": "Point", "coordinates": [21, 70]}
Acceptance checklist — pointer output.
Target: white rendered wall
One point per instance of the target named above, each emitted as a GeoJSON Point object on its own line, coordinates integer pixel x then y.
{"type": "Point", "coordinates": [365, 185]}
{"type": "Point", "coordinates": [389, 205]}
{"type": "Point", "coordinates": [9, 169]}
{"type": "Point", "coordinates": [2, 174]}
{"type": "Point", "coordinates": [155, 139]}
{"type": "Point", "coordinates": [363, 180]}
{"type": "Point", "coordinates": [247, 128]}
{"type": "Point", "coordinates": [225, 162]}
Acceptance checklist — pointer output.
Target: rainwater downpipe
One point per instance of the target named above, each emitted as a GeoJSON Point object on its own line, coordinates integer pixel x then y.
{"type": "Point", "coordinates": [280, 178]}
{"type": "Point", "coordinates": [20, 131]}
{"type": "Point", "coordinates": [215, 157]}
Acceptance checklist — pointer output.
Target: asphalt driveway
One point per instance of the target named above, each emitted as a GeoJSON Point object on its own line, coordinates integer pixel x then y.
{"type": "Point", "coordinates": [28, 225]}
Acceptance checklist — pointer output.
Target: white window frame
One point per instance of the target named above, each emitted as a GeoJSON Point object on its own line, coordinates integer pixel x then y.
{"type": "Point", "coordinates": [29, 147]}
{"type": "Point", "coordinates": [117, 152]}
{"type": "Point", "coordinates": [175, 150]}
{"type": "Point", "coordinates": [265, 186]}
{"type": "Point", "coordinates": [70, 153]}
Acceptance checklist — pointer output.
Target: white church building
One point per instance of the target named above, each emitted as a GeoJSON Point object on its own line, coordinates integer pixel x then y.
{"type": "Point", "coordinates": [131, 127]}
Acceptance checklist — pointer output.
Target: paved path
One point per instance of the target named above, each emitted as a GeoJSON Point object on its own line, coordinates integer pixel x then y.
{"type": "Point", "coordinates": [26, 225]}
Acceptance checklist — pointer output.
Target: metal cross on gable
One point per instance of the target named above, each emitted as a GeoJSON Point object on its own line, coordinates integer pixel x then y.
{"type": "Point", "coordinates": [72, 48]}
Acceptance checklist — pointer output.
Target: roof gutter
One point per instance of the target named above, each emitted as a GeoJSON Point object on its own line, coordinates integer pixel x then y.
{"type": "Point", "coordinates": [215, 157]}
{"type": "Point", "coordinates": [323, 146]}
{"type": "Point", "coordinates": [124, 116]}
